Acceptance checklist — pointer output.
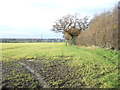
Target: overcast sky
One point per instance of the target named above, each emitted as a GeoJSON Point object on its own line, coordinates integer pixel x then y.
{"type": "Point", "coordinates": [34, 18]}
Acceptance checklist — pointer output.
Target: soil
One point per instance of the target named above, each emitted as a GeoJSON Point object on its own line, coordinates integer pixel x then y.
{"type": "Point", "coordinates": [56, 73]}
{"type": "Point", "coordinates": [15, 75]}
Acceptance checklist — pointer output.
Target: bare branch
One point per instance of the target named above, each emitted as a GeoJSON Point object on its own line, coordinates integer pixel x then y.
{"type": "Point", "coordinates": [68, 22]}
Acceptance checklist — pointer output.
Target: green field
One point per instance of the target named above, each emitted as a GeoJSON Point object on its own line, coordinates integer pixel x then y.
{"type": "Point", "coordinates": [59, 65]}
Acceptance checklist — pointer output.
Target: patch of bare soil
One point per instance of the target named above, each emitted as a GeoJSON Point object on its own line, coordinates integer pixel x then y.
{"type": "Point", "coordinates": [56, 73]}
{"type": "Point", "coordinates": [37, 75]}
{"type": "Point", "coordinates": [15, 75]}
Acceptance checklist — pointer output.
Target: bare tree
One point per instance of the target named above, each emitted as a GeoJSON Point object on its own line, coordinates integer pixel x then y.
{"type": "Point", "coordinates": [70, 26]}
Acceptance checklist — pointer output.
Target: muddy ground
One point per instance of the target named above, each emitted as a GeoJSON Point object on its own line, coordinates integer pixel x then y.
{"type": "Point", "coordinates": [55, 74]}
{"type": "Point", "coordinates": [50, 72]}
{"type": "Point", "coordinates": [15, 75]}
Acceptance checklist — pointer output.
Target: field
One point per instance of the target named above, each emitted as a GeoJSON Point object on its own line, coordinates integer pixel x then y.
{"type": "Point", "coordinates": [55, 65]}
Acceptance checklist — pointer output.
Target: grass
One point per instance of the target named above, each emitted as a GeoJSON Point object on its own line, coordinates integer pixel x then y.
{"type": "Point", "coordinates": [67, 66]}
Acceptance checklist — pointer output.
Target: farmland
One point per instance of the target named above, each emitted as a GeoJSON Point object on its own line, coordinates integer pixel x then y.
{"type": "Point", "coordinates": [60, 66]}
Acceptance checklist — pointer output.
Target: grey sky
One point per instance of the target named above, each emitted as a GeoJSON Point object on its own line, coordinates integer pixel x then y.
{"type": "Point", "coordinates": [34, 18]}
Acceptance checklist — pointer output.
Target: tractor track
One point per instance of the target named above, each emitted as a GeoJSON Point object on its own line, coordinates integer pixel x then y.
{"type": "Point", "coordinates": [38, 76]}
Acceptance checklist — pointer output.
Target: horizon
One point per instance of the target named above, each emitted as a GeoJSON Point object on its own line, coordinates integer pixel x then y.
{"type": "Point", "coordinates": [31, 38]}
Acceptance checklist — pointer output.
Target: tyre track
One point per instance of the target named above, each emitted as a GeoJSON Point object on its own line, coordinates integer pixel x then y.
{"type": "Point", "coordinates": [38, 76]}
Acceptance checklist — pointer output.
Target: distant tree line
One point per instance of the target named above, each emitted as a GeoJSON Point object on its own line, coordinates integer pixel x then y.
{"type": "Point", "coordinates": [30, 40]}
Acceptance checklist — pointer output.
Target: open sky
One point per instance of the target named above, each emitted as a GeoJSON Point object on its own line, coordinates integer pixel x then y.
{"type": "Point", "coordinates": [34, 18]}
